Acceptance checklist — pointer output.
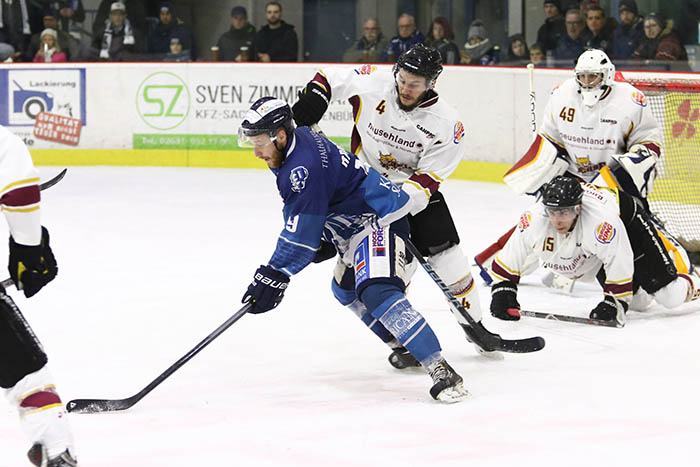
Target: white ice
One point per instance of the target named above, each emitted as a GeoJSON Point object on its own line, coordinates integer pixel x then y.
{"type": "Point", "coordinates": [154, 259]}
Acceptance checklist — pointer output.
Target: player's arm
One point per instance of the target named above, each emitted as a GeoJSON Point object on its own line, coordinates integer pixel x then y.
{"type": "Point", "coordinates": [31, 264]}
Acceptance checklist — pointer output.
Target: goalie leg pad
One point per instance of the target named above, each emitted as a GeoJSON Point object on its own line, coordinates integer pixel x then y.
{"type": "Point", "coordinates": [453, 268]}
{"type": "Point", "coordinates": [684, 288]}
{"type": "Point", "coordinates": [21, 352]}
{"type": "Point", "coordinates": [42, 415]}
{"type": "Point", "coordinates": [432, 229]}
{"type": "Point", "coordinates": [540, 164]}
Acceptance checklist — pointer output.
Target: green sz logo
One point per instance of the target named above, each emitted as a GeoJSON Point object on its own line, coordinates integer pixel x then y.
{"type": "Point", "coordinates": [163, 100]}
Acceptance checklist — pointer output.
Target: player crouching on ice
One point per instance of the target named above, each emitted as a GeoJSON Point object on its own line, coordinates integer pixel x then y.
{"type": "Point", "coordinates": [582, 231]}
{"type": "Point", "coordinates": [332, 201]}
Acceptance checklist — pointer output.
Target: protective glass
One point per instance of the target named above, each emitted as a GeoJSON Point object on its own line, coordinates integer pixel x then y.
{"type": "Point", "coordinates": [564, 214]}
{"type": "Point", "coordinates": [246, 140]}
{"type": "Point", "coordinates": [589, 80]}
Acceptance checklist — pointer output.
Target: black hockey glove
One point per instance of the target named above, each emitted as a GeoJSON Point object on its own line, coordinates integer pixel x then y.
{"type": "Point", "coordinates": [610, 309]}
{"type": "Point", "coordinates": [267, 289]}
{"type": "Point", "coordinates": [32, 267]}
{"type": "Point", "coordinates": [504, 301]}
{"type": "Point", "coordinates": [326, 250]}
{"type": "Point", "coordinates": [311, 106]}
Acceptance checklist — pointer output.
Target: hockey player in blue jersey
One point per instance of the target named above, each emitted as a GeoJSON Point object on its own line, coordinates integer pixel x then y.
{"type": "Point", "coordinates": [330, 198]}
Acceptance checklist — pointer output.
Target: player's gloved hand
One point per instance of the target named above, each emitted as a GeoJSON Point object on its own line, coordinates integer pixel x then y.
{"type": "Point", "coordinates": [32, 267]}
{"type": "Point", "coordinates": [311, 106]}
{"type": "Point", "coordinates": [504, 301]}
{"type": "Point", "coordinates": [326, 250]}
{"type": "Point", "coordinates": [267, 289]}
{"type": "Point", "coordinates": [610, 309]}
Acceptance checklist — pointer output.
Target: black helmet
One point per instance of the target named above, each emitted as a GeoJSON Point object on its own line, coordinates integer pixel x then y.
{"type": "Point", "coordinates": [265, 116]}
{"type": "Point", "coordinates": [562, 192]}
{"type": "Point", "coordinates": [420, 60]}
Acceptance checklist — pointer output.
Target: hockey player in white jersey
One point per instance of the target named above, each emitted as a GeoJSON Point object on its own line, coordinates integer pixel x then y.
{"type": "Point", "coordinates": [591, 124]}
{"type": "Point", "coordinates": [24, 375]}
{"type": "Point", "coordinates": [583, 232]}
{"type": "Point", "coordinates": [408, 134]}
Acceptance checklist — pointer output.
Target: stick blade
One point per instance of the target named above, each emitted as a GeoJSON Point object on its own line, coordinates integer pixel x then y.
{"type": "Point", "coordinates": [527, 345]}
{"type": "Point", "coordinates": [98, 405]}
{"type": "Point", "coordinates": [54, 180]}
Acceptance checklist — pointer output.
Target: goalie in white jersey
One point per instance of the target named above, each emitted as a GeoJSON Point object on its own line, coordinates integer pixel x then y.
{"type": "Point", "coordinates": [583, 232]}
{"type": "Point", "coordinates": [404, 131]}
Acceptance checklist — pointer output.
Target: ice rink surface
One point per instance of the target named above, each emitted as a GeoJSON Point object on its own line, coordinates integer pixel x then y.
{"type": "Point", "coordinates": [154, 259]}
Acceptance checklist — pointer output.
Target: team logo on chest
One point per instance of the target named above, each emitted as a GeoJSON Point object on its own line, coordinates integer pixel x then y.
{"type": "Point", "coordinates": [605, 233]}
{"type": "Point", "coordinates": [298, 177]}
{"type": "Point", "coordinates": [389, 162]}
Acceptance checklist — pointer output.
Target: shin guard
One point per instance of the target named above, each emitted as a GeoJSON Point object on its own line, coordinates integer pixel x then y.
{"type": "Point", "coordinates": [453, 268]}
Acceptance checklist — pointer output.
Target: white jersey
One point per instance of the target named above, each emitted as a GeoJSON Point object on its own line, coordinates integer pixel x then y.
{"type": "Point", "coordinates": [19, 189]}
{"type": "Point", "coordinates": [597, 239]}
{"type": "Point", "coordinates": [417, 149]}
{"type": "Point", "coordinates": [590, 136]}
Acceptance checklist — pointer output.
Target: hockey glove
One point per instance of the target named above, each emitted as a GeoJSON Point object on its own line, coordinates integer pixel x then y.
{"type": "Point", "coordinates": [32, 267]}
{"type": "Point", "coordinates": [610, 309]}
{"type": "Point", "coordinates": [267, 289]}
{"type": "Point", "coordinates": [326, 250]}
{"type": "Point", "coordinates": [311, 106]}
{"type": "Point", "coordinates": [504, 301]}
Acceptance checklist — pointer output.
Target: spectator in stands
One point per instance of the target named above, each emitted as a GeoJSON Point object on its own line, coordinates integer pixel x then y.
{"type": "Point", "coordinates": [368, 48]}
{"type": "Point", "coordinates": [572, 44]}
{"type": "Point", "coordinates": [66, 43]}
{"type": "Point", "coordinates": [479, 50]}
{"type": "Point", "coordinates": [14, 29]}
{"type": "Point", "coordinates": [232, 44]}
{"type": "Point", "coordinates": [118, 40]}
{"type": "Point", "coordinates": [659, 42]}
{"type": "Point", "coordinates": [440, 37]}
{"type": "Point", "coordinates": [165, 29]}
{"type": "Point", "coordinates": [537, 54]}
{"type": "Point", "coordinates": [610, 22]}
{"type": "Point", "coordinates": [408, 36]}
{"type": "Point", "coordinates": [553, 28]}
{"type": "Point", "coordinates": [599, 37]}
{"type": "Point", "coordinates": [135, 13]}
{"type": "Point", "coordinates": [177, 53]}
{"type": "Point", "coordinates": [69, 12]}
{"type": "Point", "coordinates": [517, 53]}
{"type": "Point", "coordinates": [629, 33]}
{"type": "Point", "coordinates": [49, 50]}
{"type": "Point", "coordinates": [276, 41]}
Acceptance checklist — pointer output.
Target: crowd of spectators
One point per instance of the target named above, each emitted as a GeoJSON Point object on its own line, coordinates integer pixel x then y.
{"type": "Point", "coordinates": [49, 31]}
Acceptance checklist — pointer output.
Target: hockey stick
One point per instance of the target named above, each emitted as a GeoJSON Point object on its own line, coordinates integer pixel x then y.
{"type": "Point", "coordinates": [484, 339]}
{"type": "Point", "coordinates": [54, 180]}
{"type": "Point", "coordinates": [113, 405]}
{"type": "Point", "coordinates": [571, 319]}
{"type": "Point", "coordinates": [533, 115]}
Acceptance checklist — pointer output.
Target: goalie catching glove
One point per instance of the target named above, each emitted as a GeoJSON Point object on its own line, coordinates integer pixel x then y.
{"type": "Point", "coordinates": [311, 106]}
{"type": "Point", "coordinates": [32, 267]}
{"type": "Point", "coordinates": [504, 301]}
{"type": "Point", "coordinates": [610, 309]}
{"type": "Point", "coordinates": [639, 166]}
{"type": "Point", "coordinates": [267, 289]}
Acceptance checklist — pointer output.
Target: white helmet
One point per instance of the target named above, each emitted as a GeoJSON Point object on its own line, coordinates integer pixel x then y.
{"type": "Point", "coordinates": [594, 74]}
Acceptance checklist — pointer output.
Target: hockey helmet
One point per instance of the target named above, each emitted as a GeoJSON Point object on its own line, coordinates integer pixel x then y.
{"type": "Point", "coordinates": [562, 192]}
{"type": "Point", "coordinates": [421, 60]}
{"type": "Point", "coordinates": [264, 117]}
{"type": "Point", "coordinates": [594, 74]}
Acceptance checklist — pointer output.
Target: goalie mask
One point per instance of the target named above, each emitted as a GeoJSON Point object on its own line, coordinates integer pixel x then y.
{"type": "Point", "coordinates": [595, 73]}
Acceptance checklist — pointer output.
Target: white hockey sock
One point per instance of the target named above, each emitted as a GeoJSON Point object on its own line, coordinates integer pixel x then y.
{"type": "Point", "coordinates": [453, 268]}
{"type": "Point", "coordinates": [42, 415]}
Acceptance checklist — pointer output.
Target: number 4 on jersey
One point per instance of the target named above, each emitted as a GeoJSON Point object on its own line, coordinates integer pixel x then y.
{"type": "Point", "coordinates": [381, 107]}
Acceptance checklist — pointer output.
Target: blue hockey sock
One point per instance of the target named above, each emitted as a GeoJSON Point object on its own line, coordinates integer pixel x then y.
{"type": "Point", "coordinates": [350, 300]}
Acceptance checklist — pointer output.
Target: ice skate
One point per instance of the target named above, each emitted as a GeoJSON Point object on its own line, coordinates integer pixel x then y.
{"type": "Point", "coordinates": [39, 457]}
{"type": "Point", "coordinates": [447, 384]}
{"type": "Point", "coordinates": [401, 358]}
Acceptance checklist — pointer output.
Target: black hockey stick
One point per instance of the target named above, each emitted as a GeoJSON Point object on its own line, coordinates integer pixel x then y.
{"type": "Point", "coordinates": [477, 333]}
{"type": "Point", "coordinates": [54, 180]}
{"type": "Point", "coordinates": [113, 405]}
{"type": "Point", "coordinates": [571, 319]}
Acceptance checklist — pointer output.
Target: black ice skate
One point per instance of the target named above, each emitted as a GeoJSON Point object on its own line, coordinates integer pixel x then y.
{"type": "Point", "coordinates": [401, 358]}
{"type": "Point", "coordinates": [38, 456]}
{"type": "Point", "coordinates": [447, 384]}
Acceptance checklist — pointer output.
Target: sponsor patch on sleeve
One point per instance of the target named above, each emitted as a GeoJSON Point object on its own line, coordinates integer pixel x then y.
{"type": "Point", "coordinates": [639, 98]}
{"type": "Point", "coordinates": [366, 69]}
{"type": "Point", "coordinates": [459, 133]}
{"type": "Point", "coordinates": [298, 177]}
{"type": "Point", "coordinates": [605, 232]}
{"type": "Point", "coordinates": [524, 221]}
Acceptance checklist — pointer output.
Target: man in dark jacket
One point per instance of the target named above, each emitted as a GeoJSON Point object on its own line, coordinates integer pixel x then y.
{"type": "Point", "coordinates": [629, 32]}
{"type": "Point", "coordinates": [232, 44]}
{"type": "Point", "coordinates": [160, 36]}
{"type": "Point", "coordinates": [276, 41]}
{"type": "Point", "coordinates": [408, 36]}
{"type": "Point", "coordinates": [599, 37]}
{"type": "Point", "coordinates": [117, 40]}
{"type": "Point", "coordinates": [553, 28]}
{"type": "Point", "coordinates": [572, 44]}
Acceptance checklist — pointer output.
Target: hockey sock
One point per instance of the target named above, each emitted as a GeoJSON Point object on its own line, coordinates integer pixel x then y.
{"type": "Point", "coordinates": [350, 300]}
{"type": "Point", "coordinates": [389, 305]}
{"type": "Point", "coordinates": [453, 268]}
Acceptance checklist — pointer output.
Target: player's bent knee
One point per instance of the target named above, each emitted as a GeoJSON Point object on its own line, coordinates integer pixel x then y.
{"type": "Point", "coordinates": [21, 351]}
{"type": "Point", "coordinates": [673, 294]}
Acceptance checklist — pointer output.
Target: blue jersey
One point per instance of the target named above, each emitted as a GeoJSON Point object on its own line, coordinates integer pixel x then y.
{"type": "Point", "coordinates": [328, 194]}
